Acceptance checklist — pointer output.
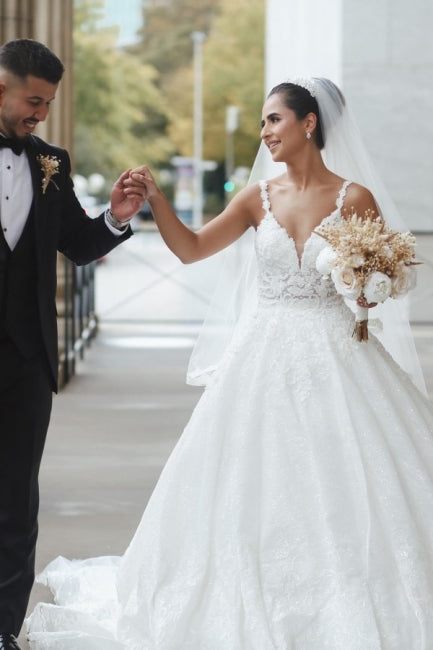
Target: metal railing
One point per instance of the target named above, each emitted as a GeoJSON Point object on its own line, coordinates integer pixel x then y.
{"type": "Point", "coordinates": [77, 321]}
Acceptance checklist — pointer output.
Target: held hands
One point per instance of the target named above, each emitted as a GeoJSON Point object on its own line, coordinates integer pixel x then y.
{"type": "Point", "coordinates": [141, 179]}
{"type": "Point", "coordinates": [127, 199]}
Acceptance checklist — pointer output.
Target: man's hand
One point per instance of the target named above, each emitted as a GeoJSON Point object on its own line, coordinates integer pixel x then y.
{"type": "Point", "coordinates": [125, 204]}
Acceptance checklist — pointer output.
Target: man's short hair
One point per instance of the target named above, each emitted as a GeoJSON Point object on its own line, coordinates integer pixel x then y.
{"type": "Point", "coordinates": [24, 56]}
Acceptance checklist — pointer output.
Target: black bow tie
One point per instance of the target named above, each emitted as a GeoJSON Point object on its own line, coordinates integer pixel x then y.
{"type": "Point", "coordinates": [17, 145]}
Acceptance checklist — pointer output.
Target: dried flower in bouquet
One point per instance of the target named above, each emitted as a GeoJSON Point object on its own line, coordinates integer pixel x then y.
{"type": "Point", "coordinates": [368, 262]}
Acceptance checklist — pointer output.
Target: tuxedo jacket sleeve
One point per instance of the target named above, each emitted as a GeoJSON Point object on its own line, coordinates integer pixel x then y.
{"type": "Point", "coordinates": [60, 219]}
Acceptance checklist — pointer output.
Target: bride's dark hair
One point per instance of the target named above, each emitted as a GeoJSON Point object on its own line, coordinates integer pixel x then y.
{"type": "Point", "coordinates": [301, 102]}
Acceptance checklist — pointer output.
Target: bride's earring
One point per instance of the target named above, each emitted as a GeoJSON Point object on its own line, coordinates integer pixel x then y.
{"type": "Point", "coordinates": [308, 135]}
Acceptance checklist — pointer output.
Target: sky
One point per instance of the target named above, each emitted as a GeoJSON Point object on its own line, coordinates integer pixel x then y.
{"type": "Point", "coordinates": [127, 15]}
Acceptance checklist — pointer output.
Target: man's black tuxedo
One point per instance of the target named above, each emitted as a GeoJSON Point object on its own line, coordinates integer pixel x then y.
{"type": "Point", "coordinates": [29, 360]}
{"type": "Point", "coordinates": [60, 224]}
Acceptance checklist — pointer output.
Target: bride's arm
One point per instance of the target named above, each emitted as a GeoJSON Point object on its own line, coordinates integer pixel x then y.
{"type": "Point", "coordinates": [221, 231]}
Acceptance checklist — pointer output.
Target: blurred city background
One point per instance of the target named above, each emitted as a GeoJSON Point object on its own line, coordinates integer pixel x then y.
{"type": "Point", "coordinates": [179, 85]}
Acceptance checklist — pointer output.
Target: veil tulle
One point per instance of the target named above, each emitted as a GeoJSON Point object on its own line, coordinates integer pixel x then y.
{"type": "Point", "coordinates": [235, 296]}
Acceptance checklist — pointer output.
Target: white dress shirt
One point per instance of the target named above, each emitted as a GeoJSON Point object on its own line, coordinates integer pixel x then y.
{"type": "Point", "coordinates": [16, 194]}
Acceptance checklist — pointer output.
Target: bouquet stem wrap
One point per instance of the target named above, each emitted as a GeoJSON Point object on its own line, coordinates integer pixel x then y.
{"type": "Point", "coordinates": [360, 333]}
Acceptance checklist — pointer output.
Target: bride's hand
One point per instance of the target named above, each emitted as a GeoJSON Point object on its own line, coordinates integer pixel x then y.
{"type": "Point", "coordinates": [362, 302]}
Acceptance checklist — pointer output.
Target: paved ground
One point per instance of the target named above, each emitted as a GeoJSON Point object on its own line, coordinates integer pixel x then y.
{"type": "Point", "coordinates": [116, 422]}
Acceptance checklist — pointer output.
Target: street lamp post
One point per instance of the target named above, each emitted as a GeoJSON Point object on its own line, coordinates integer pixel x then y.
{"type": "Point", "coordinates": [232, 124]}
{"type": "Point", "coordinates": [197, 215]}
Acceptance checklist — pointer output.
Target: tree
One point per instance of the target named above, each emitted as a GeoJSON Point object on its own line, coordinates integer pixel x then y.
{"type": "Point", "coordinates": [136, 105]}
{"type": "Point", "coordinates": [166, 34]}
{"type": "Point", "coordinates": [119, 110]}
{"type": "Point", "coordinates": [233, 73]}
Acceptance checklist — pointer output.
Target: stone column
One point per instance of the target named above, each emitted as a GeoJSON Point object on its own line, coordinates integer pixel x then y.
{"type": "Point", "coordinates": [16, 19]}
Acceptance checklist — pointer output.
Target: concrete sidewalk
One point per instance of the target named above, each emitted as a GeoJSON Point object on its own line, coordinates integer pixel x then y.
{"type": "Point", "coordinates": [115, 424]}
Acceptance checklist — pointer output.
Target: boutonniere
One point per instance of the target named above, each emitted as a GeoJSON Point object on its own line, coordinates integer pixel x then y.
{"type": "Point", "coordinates": [49, 166]}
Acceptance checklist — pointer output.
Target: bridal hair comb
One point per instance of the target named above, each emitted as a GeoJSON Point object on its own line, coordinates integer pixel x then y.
{"type": "Point", "coordinates": [306, 83]}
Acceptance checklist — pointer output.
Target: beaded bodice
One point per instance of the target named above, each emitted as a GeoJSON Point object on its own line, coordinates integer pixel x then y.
{"type": "Point", "coordinates": [283, 277]}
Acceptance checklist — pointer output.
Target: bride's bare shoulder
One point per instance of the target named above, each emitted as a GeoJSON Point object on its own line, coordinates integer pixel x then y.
{"type": "Point", "coordinates": [358, 192]}
{"type": "Point", "coordinates": [360, 200]}
{"type": "Point", "coordinates": [246, 204]}
{"type": "Point", "coordinates": [249, 195]}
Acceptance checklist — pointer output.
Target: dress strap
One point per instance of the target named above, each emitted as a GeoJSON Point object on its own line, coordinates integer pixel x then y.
{"type": "Point", "coordinates": [266, 205]}
{"type": "Point", "coordinates": [342, 193]}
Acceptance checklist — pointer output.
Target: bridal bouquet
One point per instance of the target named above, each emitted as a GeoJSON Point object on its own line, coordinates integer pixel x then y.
{"type": "Point", "coordinates": [368, 262]}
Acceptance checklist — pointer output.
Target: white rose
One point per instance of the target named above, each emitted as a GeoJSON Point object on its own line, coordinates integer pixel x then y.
{"type": "Point", "coordinates": [346, 282]}
{"type": "Point", "coordinates": [325, 260]}
{"type": "Point", "coordinates": [377, 288]}
{"type": "Point", "coordinates": [403, 282]}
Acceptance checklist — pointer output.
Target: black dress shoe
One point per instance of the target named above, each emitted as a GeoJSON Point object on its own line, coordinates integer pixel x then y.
{"type": "Point", "coordinates": [8, 642]}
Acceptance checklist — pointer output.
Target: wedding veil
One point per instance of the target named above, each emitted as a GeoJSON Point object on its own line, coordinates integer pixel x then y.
{"type": "Point", "coordinates": [235, 295]}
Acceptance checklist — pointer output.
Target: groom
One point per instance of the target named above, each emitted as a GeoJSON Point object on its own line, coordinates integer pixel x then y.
{"type": "Point", "coordinates": [39, 216]}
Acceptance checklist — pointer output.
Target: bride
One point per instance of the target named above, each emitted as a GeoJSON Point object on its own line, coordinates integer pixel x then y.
{"type": "Point", "coordinates": [295, 510]}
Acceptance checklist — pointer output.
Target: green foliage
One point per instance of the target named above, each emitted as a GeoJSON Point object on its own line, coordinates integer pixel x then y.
{"type": "Point", "coordinates": [233, 74]}
{"type": "Point", "coordinates": [87, 13]}
{"type": "Point", "coordinates": [135, 105]}
{"type": "Point", "coordinates": [120, 120]}
{"type": "Point", "coordinates": [166, 34]}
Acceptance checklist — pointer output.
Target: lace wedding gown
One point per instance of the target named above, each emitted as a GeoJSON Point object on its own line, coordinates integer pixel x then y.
{"type": "Point", "coordinates": [295, 513]}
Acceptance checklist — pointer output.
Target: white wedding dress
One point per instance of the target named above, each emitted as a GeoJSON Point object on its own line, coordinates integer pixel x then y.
{"type": "Point", "coordinates": [296, 511]}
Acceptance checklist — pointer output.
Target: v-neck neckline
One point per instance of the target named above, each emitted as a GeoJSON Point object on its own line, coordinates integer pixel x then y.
{"type": "Point", "coordinates": [300, 255]}
{"type": "Point", "coordinates": [266, 204]}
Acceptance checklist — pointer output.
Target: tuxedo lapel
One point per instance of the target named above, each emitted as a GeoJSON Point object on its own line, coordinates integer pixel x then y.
{"type": "Point", "coordinates": [39, 213]}
{"type": "Point", "coordinates": [36, 172]}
